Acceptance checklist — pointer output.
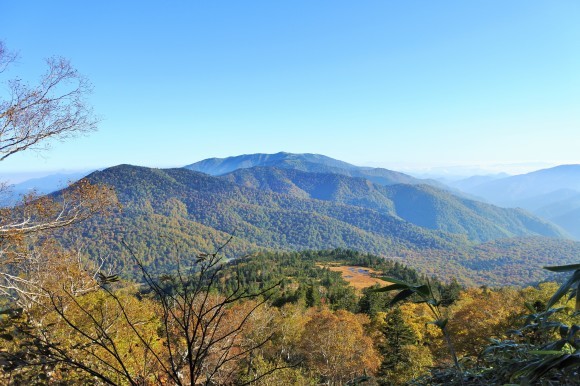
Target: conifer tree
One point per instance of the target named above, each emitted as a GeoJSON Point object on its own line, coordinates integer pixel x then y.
{"type": "Point", "coordinates": [397, 335]}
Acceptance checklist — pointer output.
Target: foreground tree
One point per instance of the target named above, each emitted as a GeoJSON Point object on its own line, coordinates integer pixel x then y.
{"type": "Point", "coordinates": [394, 348]}
{"type": "Point", "coordinates": [480, 315]}
{"type": "Point", "coordinates": [55, 108]}
{"type": "Point", "coordinates": [556, 359]}
{"type": "Point", "coordinates": [336, 346]}
{"type": "Point", "coordinates": [544, 351]}
{"type": "Point", "coordinates": [424, 295]}
{"type": "Point", "coordinates": [175, 330]}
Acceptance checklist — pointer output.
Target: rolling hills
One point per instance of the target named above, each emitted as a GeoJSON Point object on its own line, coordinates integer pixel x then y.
{"type": "Point", "coordinates": [171, 212]}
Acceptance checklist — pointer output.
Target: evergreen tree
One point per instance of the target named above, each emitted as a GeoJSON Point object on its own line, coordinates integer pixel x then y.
{"type": "Point", "coordinates": [312, 296]}
{"type": "Point", "coordinates": [450, 292]}
{"type": "Point", "coordinates": [373, 302]}
{"type": "Point", "coordinates": [397, 335]}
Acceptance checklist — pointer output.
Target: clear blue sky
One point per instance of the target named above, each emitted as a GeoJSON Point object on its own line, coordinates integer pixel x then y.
{"type": "Point", "coordinates": [391, 83]}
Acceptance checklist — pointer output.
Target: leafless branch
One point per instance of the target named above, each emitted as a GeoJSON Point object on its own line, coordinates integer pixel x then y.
{"type": "Point", "coordinates": [55, 108]}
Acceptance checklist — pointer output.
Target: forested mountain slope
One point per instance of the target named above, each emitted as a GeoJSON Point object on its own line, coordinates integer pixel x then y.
{"type": "Point", "coordinates": [422, 205]}
{"type": "Point", "coordinates": [166, 213]}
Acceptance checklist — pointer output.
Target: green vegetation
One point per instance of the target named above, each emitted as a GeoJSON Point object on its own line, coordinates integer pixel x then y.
{"type": "Point", "coordinates": [302, 279]}
{"type": "Point", "coordinates": [546, 350]}
{"type": "Point", "coordinates": [178, 211]}
{"type": "Point", "coordinates": [314, 328]}
{"type": "Point", "coordinates": [419, 204]}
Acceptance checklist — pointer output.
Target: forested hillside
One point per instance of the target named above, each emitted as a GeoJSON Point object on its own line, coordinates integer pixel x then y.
{"type": "Point", "coordinates": [423, 205]}
{"type": "Point", "coordinates": [177, 211]}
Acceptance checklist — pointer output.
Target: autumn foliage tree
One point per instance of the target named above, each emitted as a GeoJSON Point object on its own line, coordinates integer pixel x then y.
{"type": "Point", "coordinates": [33, 267]}
{"type": "Point", "coordinates": [336, 347]}
{"type": "Point", "coordinates": [31, 116]}
{"type": "Point", "coordinates": [55, 108]}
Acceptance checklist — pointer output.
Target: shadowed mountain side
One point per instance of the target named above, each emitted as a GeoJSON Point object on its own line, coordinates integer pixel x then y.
{"type": "Point", "coordinates": [321, 186]}
{"type": "Point", "coordinates": [569, 221]}
{"type": "Point", "coordinates": [421, 205]}
{"type": "Point", "coordinates": [433, 208]}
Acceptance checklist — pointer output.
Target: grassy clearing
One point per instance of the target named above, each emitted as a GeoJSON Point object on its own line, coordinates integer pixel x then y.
{"type": "Point", "coordinates": [358, 277]}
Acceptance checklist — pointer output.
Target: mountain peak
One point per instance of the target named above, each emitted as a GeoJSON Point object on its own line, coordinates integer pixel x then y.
{"type": "Point", "coordinates": [219, 166]}
{"type": "Point", "coordinates": [306, 162]}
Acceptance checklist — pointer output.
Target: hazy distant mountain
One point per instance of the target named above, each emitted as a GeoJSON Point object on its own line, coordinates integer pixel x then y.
{"type": "Point", "coordinates": [554, 204]}
{"type": "Point", "coordinates": [41, 186]}
{"type": "Point", "coordinates": [307, 163]}
{"type": "Point", "coordinates": [552, 193]}
{"type": "Point", "coordinates": [166, 213]}
{"type": "Point", "coordinates": [512, 190]}
{"type": "Point", "coordinates": [218, 166]}
{"type": "Point", "coordinates": [470, 183]}
{"type": "Point", "coordinates": [461, 172]}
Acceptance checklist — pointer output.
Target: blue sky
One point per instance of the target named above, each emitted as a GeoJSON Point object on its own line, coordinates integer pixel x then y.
{"type": "Point", "coordinates": [400, 84]}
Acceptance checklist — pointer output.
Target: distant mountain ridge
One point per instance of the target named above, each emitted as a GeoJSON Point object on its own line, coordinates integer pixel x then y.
{"type": "Point", "coordinates": [307, 163]}
{"type": "Point", "coordinates": [40, 186]}
{"type": "Point", "coordinates": [218, 166]}
{"type": "Point", "coordinates": [552, 193]}
{"type": "Point", "coordinates": [514, 188]}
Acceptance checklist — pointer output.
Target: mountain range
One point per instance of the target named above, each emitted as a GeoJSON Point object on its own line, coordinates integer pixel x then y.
{"type": "Point", "coordinates": [421, 205]}
{"type": "Point", "coordinates": [553, 194]}
{"type": "Point", "coordinates": [171, 212]}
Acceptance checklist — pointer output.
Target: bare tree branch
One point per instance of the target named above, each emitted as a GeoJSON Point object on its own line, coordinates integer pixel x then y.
{"type": "Point", "coordinates": [55, 108]}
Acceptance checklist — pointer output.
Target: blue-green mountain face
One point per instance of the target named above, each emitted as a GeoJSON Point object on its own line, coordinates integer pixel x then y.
{"type": "Point", "coordinates": [218, 166]}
